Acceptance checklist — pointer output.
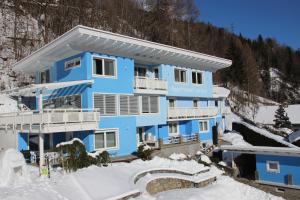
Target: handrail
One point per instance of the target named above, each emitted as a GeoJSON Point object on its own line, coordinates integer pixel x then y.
{"type": "Point", "coordinates": [150, 83]}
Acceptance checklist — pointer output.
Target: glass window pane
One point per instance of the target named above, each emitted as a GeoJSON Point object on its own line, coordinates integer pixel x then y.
{"type": "Point", "coordinates": [176, 74]}
{"type": "Point", "coordinates": [109, 67]}
{"type": "Point", "coordinates": [111, 139]}
{"type": "Point", "coordinates": [183, 76]}
{"type": "Point", "coordinates": [97, 67]}
{"type": "Point", "coordinates": [99, 140]}
{"type": "Point", "coordinates": [142, 71]}
{"type": "Point", "coordinates": [194, 77]}
{"type": "Point", "coordinates": [199, 78]}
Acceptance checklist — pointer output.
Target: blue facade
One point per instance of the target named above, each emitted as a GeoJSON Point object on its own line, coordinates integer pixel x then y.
{"type": "Point", "coordinates": [288, 166]}
{"type": "Point", "coordinates": [122, 83]}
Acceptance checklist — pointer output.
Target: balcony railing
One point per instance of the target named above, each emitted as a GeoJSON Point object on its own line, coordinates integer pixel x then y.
{"type": "Point", "coordinates": [144, 84]}
{"type": "Point", "coordinates": [50, 120]}
{"type": "Point", "coordinates": [191, 113]}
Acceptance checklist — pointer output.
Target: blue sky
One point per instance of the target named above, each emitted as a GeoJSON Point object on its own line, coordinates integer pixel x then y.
{"type": "Point", "coordinates": [279, 19]}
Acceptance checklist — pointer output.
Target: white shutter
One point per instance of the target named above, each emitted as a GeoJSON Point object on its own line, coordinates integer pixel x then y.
{"type": "Point", "coordinates": [153, 104]}
{"type": "Point", "coordinates": [134, 105]}
{"type": "Point", "coordinates": [99, 103]}
{"type": "Point", "coordinates": [124, 105]}
{"type": "Point", "coordinates": [110, 104]}
{"type": "Point", "coordinates": [145, 104]}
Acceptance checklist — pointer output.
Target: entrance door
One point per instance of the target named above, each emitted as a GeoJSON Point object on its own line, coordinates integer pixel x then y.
{"type": "Point", "coordinates": [215, 134]}
{"type": "Point", "coordinates": [140, 135]}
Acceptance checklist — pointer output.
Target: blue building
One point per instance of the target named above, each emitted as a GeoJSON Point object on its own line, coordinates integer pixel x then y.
{"type": "Point", "coordinates": [115, 92]}
{"type": "Point", "coordinates": [275, 166]}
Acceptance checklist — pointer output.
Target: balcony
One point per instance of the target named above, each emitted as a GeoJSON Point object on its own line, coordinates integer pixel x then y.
{"type": "Point", "coordinates": [146, 85]}
{"type": "Point", "coordinates": [191, 113]}
{"type": "Point", "coordinates": [48, 121]}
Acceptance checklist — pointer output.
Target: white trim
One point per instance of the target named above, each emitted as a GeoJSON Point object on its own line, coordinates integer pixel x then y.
{"type": "Point", "coordinates": [272, 170]}
{"type": "Point", "coordinates": [186, 75]}
{"type": "Point", "coordinates": [202, 78]}
{"type": "Point", "coordinates": [72, 60]}
{"type": "Point", "coordinates": [207, 121]}
{"type": "Point", "coordinates": [105, 130]}
{"type": "Point", "coordinates": [141, 105]}
{"type": "Point", "coordinates": [105, 58]}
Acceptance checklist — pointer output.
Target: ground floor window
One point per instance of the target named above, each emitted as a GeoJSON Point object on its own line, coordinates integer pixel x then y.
{"type": "Point", "coordinates": [203, 126]}
{"type": "Point", "coordinates": [273, 166]}
{"type": "Point", "coordinates": [173, 128]}
{"type": "Point", "coordinates": [106, 139]}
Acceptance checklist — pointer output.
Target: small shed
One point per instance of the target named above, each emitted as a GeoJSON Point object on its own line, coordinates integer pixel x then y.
{"type": "Point", "coordinates": [278, 166]}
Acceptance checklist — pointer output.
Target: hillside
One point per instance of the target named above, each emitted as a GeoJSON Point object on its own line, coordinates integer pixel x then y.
{"type": "Point", "coordinates": [26, 25]}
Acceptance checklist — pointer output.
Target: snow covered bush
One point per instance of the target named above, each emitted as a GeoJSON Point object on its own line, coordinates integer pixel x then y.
{"type": "Point", "coordinates": [144, 152]}
{"type": "Point", "coordinates": [103, 158]}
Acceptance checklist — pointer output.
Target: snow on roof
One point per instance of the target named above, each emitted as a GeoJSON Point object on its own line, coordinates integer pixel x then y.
{"type": "Point", "coordinates": [268, 134]}
{"type": "Point", "coordinates": [295, 136]}
{"type": "Point", "coordinates": [7, 105]}
{"type": "Point", "coordinates": [263, 150]}
{"type": "Point", "coordinates": [265, 114]}
{"type": "Point", "coordinates": [82, 38]}
{"type": "Point", "coordinates": [220, 92]}
{"type": "Point", "coordinates": [235, 139]}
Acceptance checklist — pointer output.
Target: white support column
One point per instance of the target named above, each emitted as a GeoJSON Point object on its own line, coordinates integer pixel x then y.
{"type": "Point", "coordinates": [40, 101]}
{"type": "Point", "coordinates": [41, 149]}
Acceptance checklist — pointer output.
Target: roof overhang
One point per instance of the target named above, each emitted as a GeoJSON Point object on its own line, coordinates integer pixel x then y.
{"type": "Point", "coordinates": [30, 90]}
{"type": "Point", "coordinates": [82, 38]}
{"type": "Point", "coordinates": [263, 150]}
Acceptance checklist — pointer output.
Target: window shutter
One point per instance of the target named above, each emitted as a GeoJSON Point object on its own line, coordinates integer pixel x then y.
{"type": "Point", "coordinates": [110, 104]}
{"type": "Point", "coordinates": [124, 105]}
{"type": "Point", "coordinates": [99, 103]}
{"type": "Point", "coordinates": [153, 104]}
{"type": "Point", "coordinates": [134, 105]}
{"type": "Point", "coordinates": [145, 104]}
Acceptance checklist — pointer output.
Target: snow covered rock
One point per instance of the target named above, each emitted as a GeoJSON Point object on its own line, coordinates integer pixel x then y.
{"type": "Point", "coordinates": [13, 169]}
{"type": "Point", "coordinates": [177, 156]}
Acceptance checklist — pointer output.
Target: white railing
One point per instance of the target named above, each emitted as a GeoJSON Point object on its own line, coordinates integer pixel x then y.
{"type": "Point", "coordinates": [189, 138]}
{"type": "Point", "coordinates": [150, 84]}
{"type": "Point", "coordinates": [47, 118]}
{"type": "Point", "coordinates": [180, 139]}
{"type": "Point", "coordinates": [190, 113]}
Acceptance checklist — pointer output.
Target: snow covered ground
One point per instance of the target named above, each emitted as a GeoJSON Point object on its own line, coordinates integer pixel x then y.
{"type": "Point", "coordinates": [95, 183]}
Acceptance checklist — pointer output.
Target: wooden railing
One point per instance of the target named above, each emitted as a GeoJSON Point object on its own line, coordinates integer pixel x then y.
{"type": "Point", "coordinates": [191, 113]}
{"type": "Point", "coordinates": [150, 84]}
{"type": "Point", "coordinates": [34, 120]}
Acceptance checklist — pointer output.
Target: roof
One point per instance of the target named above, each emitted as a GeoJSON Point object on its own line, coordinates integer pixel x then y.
{"type": "Point", "coordinates": [295, 136]}
{"type": "Point", "coordinates": [282, 151]}
{"type": "Point", "coordinates": [220, 92]}
{"type": "Point", "coordinates": [265, 114]}
{"type": "Point", "coordinates": [30, 90]}
{"type": "Point", "coordinates": [82, 38]}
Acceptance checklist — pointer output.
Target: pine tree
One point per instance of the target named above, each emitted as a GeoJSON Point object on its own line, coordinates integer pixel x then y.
{"type": "Point", "coordinates": [281, 118]}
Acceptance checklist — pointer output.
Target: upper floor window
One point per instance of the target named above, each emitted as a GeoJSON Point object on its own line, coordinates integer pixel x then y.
{"type": "Point", "coordinates": [140, 71]}
{"type": "Point", "coordinates": [156, 73]}
{"type": "Point", "coordinates": [171, 103]}
{"type": "Point", "coordinates": [45, 76]}
{"type": "Point", "coordinates": [203, 126]}
{"type": "Point", "coordinates": [129, 105]}
{"type": "Point", "coordinates": [216, 103]}
{"type": "Point", "coordinates": [72, 63]}
{"type": "Point", "coordinates": [180, 75]}
{"type": "Point", "coordinates": [104, 67]}
{"type": "Point", "coordinates": [106, 103]}
{"type": "Point", "coordinates": [197, 78]}
{"type": "Point", "coordinates": [150, 104]}
{"type": "Point", "coordinates": [195, 103]}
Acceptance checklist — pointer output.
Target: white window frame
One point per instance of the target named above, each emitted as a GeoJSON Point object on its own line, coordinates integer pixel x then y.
{"type": "Point", "coordinates": [186, 75]}
{"type": "Point", "coordinates": [174, 100]}
{"type": "Point", "coordinates": [74, 60]}
{"type": "Point", "coordinates": [273, 170]}
{"type": "Point", "coordinates": [105, 58]}
{"type": "Point", "coordinates": [197, 72]}
{"type": "Point", "coordinates": [144, 67]}
{"type": "Point", "coordinates": [204, 131]}
{"type": "Point", "coordinates": [177, 127]}
{"type": "Point", "coordinates": [116, 130]}
{"type": "Point", "coordinates": [129, 105]}
{"type": "Point", "coordinates": [141, 105]}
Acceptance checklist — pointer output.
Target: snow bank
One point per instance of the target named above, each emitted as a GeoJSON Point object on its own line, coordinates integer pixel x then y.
{"type": "Point", "coordinates": [235, 139]}
{"type": "Point", "coordinates": [177, 156]}
{"type": "Point", "coordinates": [13, 168]}
{"type": "Point", "coordinates": [7, 104]}
{"type": "Point", "coordinates": [69, 142]}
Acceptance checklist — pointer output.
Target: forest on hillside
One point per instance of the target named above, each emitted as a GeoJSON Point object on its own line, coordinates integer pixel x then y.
{"type": "Point", "coordinates": [261, 66]}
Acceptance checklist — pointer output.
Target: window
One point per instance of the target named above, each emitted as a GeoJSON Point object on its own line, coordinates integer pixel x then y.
{"type": "Point", "coordinates": [156, 73]}
{"type": "Point", "coordinates": [45, 76]}
{"type": "Point", "coordinates": [140, 71]}
{"type": "Point", "coordinates": [104, 67]}
{"type": "Point", "coordinates": [129, 105]}
{"type": "Point", "coordinates": [106, 139]}
{"type": "Point", "coordinates": [180, 75]}
{"type": "Point", "coordinates": [203, 126]}
{"type": "Point", "coordinates": [216, 103]}
{"type": "Point", "coordinates": [195, 103]}
{"type": "Point", "coordinates": [197, 77]}
{"type": "Point", "coordinates": [72, 101]}
{"type": "Point", "coordinates": [106, 103]}
{"type": "Point", "coordinates": [273, 166]}
{"type": "Point", "coordinates": [72, 63]}
{"type": "Point", "coordinates": [171, 103]}
{"type": "Point", "coordinates": [173, 128]}
{"type": "Point", "coordinates": [150, 104]}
